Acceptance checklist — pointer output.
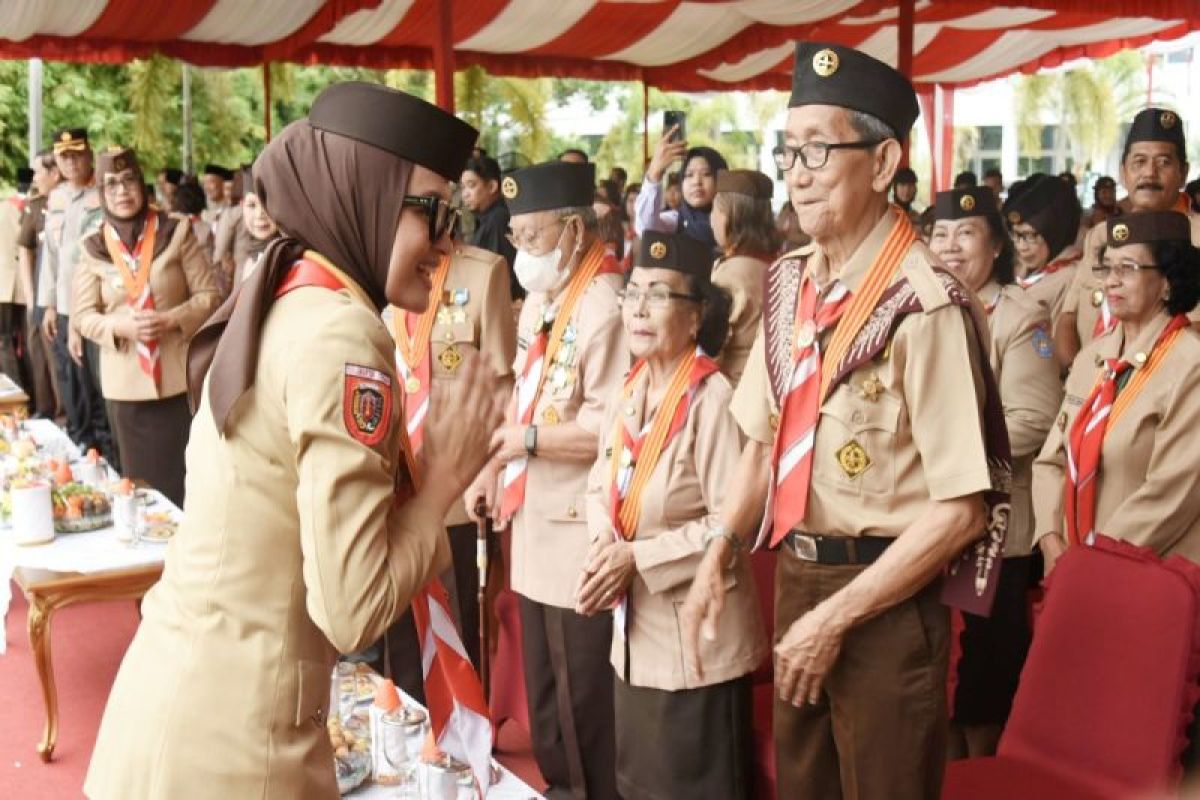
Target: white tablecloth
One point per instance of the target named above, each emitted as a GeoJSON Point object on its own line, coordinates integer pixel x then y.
{"type": "Point", "coordinates": [91, 552]}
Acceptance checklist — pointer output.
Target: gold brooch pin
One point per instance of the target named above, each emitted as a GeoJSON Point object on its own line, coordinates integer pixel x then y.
{"type": "Point", "coordinates": [1167, 119]}
{"type": "Point", "coordinates": [412, 384]}
{"type": "Point", "coordinates": [825, 63]}
{"type": "Point", "coordinates": [550, 416]}
{"type": "Point", "coordinates": [509, 188]}
{"type": "Point", "coordinates": [450, 358]}
{"type": "Point", "coordinates": [1120, 232]}
{"type": "Point", "coordinates": [853, 459]}
{"type": "Point", "coordinates": [658, 250]}
{"type": "Point", "coordinates": [871, 388]}
{"type": "Point", "coordinates": [966, 202]}
{"type": "Point", "coordinates": [1098, 298]}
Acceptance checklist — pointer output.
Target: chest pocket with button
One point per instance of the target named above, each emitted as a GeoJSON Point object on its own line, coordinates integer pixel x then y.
{"type": "Point", "coordinates": [855, 442]}
{"type": "Point", "coordinates": [450, 342]}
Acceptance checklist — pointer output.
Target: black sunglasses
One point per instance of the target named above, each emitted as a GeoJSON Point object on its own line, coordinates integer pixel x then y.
{"type": "Point", "coordinates": [443, 218]}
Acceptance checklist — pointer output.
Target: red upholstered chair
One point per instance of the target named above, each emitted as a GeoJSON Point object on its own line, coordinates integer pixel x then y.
{"type": "Point", "coordinates": [1109, 685]}
{"type": "Point", "coordinates": [763, 681]}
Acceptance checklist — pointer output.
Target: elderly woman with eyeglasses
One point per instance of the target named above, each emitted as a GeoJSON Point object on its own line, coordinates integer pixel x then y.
{"type": "Point", "coordinates": [1043, 216]}
{"type": "Point", "coordinates": [142, 289]}
{"type": "Point", "coordinates": [668, 449]}
{"type": "Point", "coordinates": [1122, 459]}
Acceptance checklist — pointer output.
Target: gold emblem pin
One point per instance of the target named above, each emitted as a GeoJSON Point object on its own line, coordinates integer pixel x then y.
{"type": "Point", "coordinates": [1140, 358]}
{"type": "Point", "coordinates": [658, 250]}
{"type": "Point", "coordinates": [872, 388]}
{"type": "Point", "coordinates": [966, 202]}
{"type": "Point", "coordinates": [825, 63]}
{"type": "Point", "coordinates": [1014, 217]}
{"type": "Point", "coordinates": [853, 459]}
{"type": "Point", "coordinates": [411, 385]}
{"type": "Point", "coordinates": [450, 358]}
{"type": "Point", "coordinates": [774, 420]}
{"type": "Point", "coordinates": [1098, 298]}
{"type": "Point", "coordinates": [1120, 232]}
{"type": "Point", "coordinates": [550, 416]}
{"type": "Point", "coordinates": [508, 187]}
{"type": "Point", "coordinates": [1167, 120]}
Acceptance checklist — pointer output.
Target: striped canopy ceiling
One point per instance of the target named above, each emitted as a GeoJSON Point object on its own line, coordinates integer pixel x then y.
{"type": "Point", "coordinates": [684, 45]}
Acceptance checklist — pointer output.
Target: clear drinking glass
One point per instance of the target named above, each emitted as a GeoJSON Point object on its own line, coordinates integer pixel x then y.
{"type": "Point", "coordinates": [394, 747]}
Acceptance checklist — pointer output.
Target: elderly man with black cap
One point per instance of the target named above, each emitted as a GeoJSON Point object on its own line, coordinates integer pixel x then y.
{"type": "Point", "coordinates": [73, 212]}
{"type": "Point", "coordinates": [307, 527]}
{"type": "Point", "coordinates": [876, 448]}
{"type": "Point", "coordinates": [215, 180]}
{"type": "Point", "coordinates": [1154, 168]}
{"type": "Point", "coordinates": [571, 356]}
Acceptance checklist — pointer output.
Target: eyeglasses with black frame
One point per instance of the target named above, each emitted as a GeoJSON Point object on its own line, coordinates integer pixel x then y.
{"type": "Point", "coordinates": [658, 296]}
{"type": "Point", "coordinates": [443, 217]}
{"type": "Point", "coordinates": [814, 155]}
{"type": "Point", "coordinates": [1120, 269]}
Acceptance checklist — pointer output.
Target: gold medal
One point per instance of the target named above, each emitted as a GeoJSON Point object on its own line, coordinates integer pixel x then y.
{"type": "Point", "coordinates": [853, 459]}
{"type": "Point", "coordinates": [412, 384]}
{"type": "Point", "coordinates": [450, 358]}
{"type": "Point", "coordinates": [807, 333]}
{"type": "Point", "coordinates": [550, 416]}
{"type": "Point", "coordinates": [871, 388]}
{"type": "Point", "coordinates": [1098, 298]}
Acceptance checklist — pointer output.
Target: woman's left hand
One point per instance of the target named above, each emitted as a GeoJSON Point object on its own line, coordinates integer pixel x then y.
{"type": "Point", "coordinates": [607, 573]}
{"type": "Point", "coordinates": [151, 325]}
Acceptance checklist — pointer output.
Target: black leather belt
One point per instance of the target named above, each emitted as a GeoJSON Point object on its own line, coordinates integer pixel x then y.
{"type": "Point", "coordinates": [837, 550]}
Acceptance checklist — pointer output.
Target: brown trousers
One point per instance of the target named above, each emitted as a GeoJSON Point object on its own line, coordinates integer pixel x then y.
{"type": "Point", "coordinates": [879, 731]}
{"type": "Point", "coordinates": [570, 685]}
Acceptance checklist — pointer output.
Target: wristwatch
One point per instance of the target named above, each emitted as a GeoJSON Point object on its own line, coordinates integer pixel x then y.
{"type": "Point", "coordinates": [531, 440]}
{"type": "Point", "coordinates": [718, 530]}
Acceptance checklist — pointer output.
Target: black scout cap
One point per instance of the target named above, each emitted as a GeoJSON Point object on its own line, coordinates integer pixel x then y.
{"type": "Point", "coordinates": [1157, 125]}
{"type": "Point", "coordinates": [174, 176]}
{"type": "Point", "coordinates": [977, 201]}
{"type": "Point", "coordinates": [70, 139]}
{"type": "Point", "coordinates": [905, 175]}
{"type": "Point", "coordinates": [543, 187]}
{"type": "Point", "coordinates": [399, 123]}
{"type": "Point", "coordinates": [24, 176]}
{"type": "Point", "coordinates": [1047, 203]}
{"type": "Point", "coordinates": [117, 159]}
{"type": "Point", "coordinates": [835, 75]}
{"type": "Point", "coordinates": [1145, 227]}
{"type": "Point", "coordinates": [749, 182]}
{"type": "Point", "coordinates": [224, 173]}
{"type": "Point", "coordinates": [675, 251]}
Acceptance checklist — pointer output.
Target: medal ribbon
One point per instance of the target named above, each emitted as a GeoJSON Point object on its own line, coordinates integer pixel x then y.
{"type": "Point", "coordinates": [135, 272]}
{"type": "Point", "coordinates": [633, 460]}
{"type": "Point", "coordinates": [412, 333]}
{"type": "Point", "coordinates": [541, 351]}
{"type": "Point", "coordinates": [791, 460]}
{"type": "Point", "coordinates": [1102, 409]}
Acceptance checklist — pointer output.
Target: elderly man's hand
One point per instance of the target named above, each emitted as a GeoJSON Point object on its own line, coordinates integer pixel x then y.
{"type": "Point", "coordinates": [806, 654]}
{"type": "Point", "coordinates": [705, 600]}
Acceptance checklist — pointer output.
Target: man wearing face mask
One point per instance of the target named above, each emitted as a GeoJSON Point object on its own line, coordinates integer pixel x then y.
{"type": "Point", "coordinates": [571, 356]}
{"type": "Point", "coordinates": [1153, 170]}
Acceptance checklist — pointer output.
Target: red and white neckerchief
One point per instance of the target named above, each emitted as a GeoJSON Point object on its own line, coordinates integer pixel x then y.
{"type": "Point", "coordinates": [1051, 268]}
{"type": "Point", "coordinates": [1105, 321]}
{"type": "Point", "coordinates": [990, 307]}
{"type": "Point", "coordinates": [135, 272]}
{"type": "Point", "coordinates": [1101, 409]}
{"type": "Point", "coordinates": [812, 375]}
{"type": "Point", "coordinates": [541, 351]}
{"type": "Point", "coordinates": [411, 333]}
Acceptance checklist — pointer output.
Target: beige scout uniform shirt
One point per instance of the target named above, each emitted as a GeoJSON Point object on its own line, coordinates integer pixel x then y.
{"type": "Point", "coordinates": [293, 550]}
{"type": "Point", "coordinates": [183, 290]}
{"type": "Point", "coordinates": [482, 322]}
{"type": "Point", "coordinates": [1086, 293]}
{"type": "Point", "coordinates": [550, 538]}
{"type": "Point", "coordinates": [681, 500]}
{"type": "Point", "coordinates": [1022, 359]}
{"type": "Point", "coordinates": [10, 229]}
{"type": "Point", "coordinates": [1148, 487]}
{"type": "Point", "coordinates": [916, 410]}
{"type": "Point", "coordinates": [742, 277]}
{"type": "Point", "coordinates": [1051, 291]}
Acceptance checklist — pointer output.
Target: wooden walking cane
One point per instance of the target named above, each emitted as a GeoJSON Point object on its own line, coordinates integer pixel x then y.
{"type": "Point", "coordinates": [482, 540]}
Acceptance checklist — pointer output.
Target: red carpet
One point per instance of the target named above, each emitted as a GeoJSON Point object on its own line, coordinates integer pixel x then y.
{"type": "Point", "coordinates": [88, 643]}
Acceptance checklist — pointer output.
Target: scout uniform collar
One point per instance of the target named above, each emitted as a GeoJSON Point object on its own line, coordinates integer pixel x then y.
{"type": "Point", "coordinates": [1136, 352]}
{"type": "Point", "coordinates": [856, 268]}
{"type": "Point", "coordinates": [990, 295]}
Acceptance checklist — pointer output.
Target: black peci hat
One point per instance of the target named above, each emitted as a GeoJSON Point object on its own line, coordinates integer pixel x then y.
{"type": "Point", "coordinates": [397, 122]}
{"type": "Point", "coordinates": [675, 251]}
{"type": "Point", "coordinates": [977, 201]}
{"type": "Point", "coordinates": [172, 175]}
{"type": "Point", "coordinates": [1147, 227]}
{"type": "Point", "coordinates": [70, 139]}
{"type": "Point", "coordinates": [24, 178]}
{"type": "Point", "coordinates": [553, 185]}
{"type": "Point", "coordinates": [224, 173]}
{"type": "Point", "coordinates": [1157, 125]}
{"type": "Point", "coordinates": [836, 75]}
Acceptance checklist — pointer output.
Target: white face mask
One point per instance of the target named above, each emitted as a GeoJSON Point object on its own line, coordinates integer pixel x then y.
{"type": "Point", "coordinates": [537, 273]}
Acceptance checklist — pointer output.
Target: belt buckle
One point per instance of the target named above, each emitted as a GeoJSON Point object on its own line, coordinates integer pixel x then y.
{"type": "Point", "coordinates": [805, 546]}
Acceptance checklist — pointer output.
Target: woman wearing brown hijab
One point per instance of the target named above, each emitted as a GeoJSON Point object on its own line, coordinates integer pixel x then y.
{"type": "Point", "coordinates": [142, 289]}
{"type": "Point", "coordinates": [307, 529]}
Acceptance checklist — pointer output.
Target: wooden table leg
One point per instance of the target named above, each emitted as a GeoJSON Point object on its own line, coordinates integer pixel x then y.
{"type": "Point", "coordinates": [40, 613]}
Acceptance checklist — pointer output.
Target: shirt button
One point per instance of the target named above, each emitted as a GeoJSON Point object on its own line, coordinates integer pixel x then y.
{"type": "Point", "coordinates": [572, 513]}
{"type": "Point", "coordinates": [857, 417]}
{"type": "Point", "coordinates": [629, 412]}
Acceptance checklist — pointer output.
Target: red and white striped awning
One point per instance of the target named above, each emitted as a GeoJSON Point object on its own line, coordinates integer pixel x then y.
{"type": "Point", "coordinates": [672, 44]}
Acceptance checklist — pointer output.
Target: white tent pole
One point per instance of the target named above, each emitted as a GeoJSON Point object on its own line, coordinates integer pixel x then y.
{"type": "Point", "coordinates": [187, 119]}
{"type": "Point", "coordinates": [35, 107]}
